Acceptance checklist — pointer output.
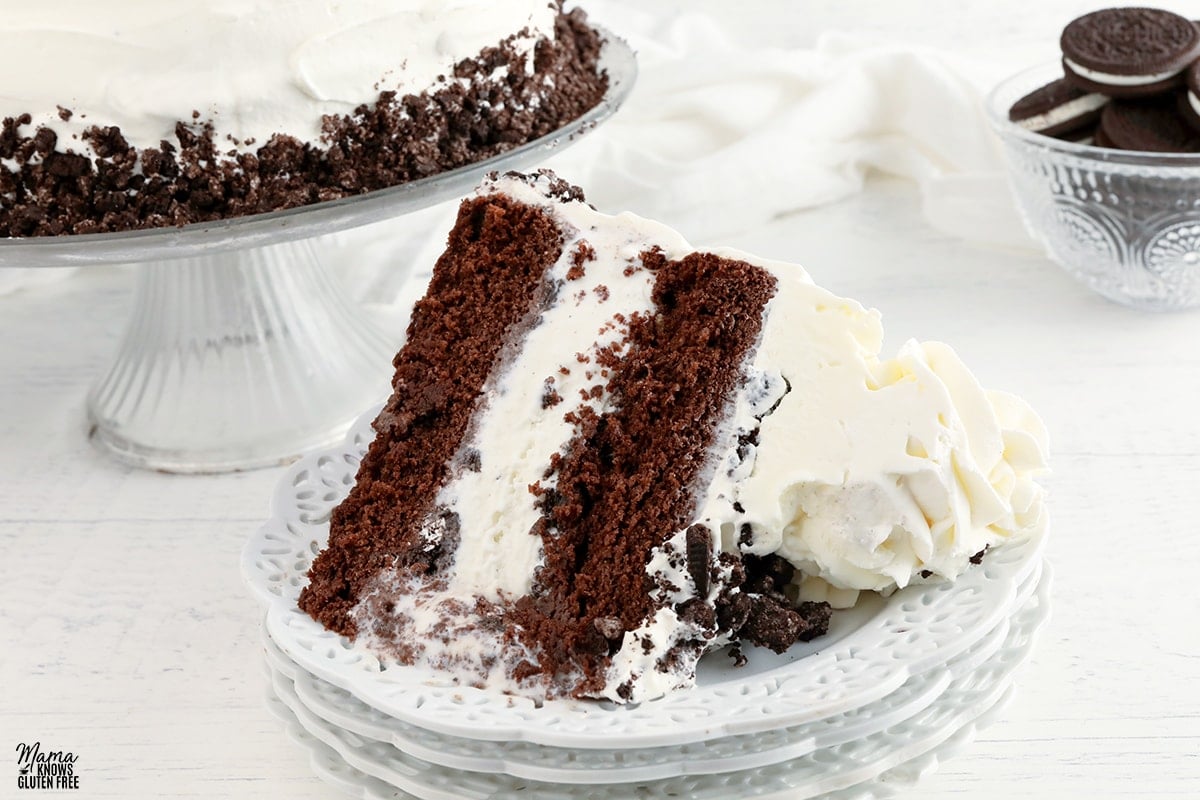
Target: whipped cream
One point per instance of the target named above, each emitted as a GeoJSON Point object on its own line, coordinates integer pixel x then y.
{"type": "Point", "coordinates": [872, 473]}
{"type": "Point", "coordinates": [252, 67]}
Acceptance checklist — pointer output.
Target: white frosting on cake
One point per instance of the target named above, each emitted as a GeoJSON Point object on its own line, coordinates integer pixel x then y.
{"type": "Point", "coordinates": [868, 473]}
{"type": "Point", "coordinates": [252, 67]}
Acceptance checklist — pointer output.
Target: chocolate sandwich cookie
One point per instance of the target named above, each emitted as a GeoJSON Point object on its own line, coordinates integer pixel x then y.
{"type": "Point", "coordinates": [1100, 139]}
{"type": "Point", "coordinates": [1152, 125]}
{"type": "Point", "coordinates": [1057, 109]}
{"type": "Point", "coordinates": [1129, 52]}
{"type": "Point", "coordinates": [1189, 99]}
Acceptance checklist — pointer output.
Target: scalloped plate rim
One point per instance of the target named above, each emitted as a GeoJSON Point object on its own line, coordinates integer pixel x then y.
{"type": "Point", "coordinates": [369, 687]}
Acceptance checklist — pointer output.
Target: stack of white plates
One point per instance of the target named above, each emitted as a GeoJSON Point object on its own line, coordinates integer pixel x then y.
{"type": "Point", "coordinates": [897, 685]}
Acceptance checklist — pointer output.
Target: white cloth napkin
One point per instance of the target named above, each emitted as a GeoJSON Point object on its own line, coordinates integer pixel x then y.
{"type": "Point", "coordinates": [719, 137]}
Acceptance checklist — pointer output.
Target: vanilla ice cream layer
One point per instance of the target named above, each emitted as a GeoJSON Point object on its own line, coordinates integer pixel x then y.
{"type": "Point", "coordinates": [518, 431]}
{"type": "Point", "coordinates": [252, 67]}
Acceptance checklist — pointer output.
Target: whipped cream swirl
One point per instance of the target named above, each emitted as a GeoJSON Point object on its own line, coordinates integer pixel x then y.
{"type": "Point", "coordinates": [870, 473]}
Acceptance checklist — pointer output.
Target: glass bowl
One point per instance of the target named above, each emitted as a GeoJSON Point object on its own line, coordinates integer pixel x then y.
{"type": "Point", "coordinates": [1124, 223]}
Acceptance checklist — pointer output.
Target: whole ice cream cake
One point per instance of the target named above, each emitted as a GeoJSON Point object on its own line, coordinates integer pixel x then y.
{"type": "Point", "coordinates": [608, 453]}
{"type": "Point", "coordinates": [136, 114]}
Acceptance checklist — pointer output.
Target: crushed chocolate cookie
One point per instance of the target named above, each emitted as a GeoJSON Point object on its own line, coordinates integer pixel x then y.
{"type": "Point", "coordinates": [778, 626]}
{"type": "Point", "coordinates": [699, 546]}
{"type": "Point", "coordinates": [610, 627]}
{"type": "Point", "coordinates": [739, 658]}
{"type": "Point", "coordinates": [550, 395]}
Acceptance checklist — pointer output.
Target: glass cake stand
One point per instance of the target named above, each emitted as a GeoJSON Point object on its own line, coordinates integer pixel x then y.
{"type": "Point", "coordinates": [242, 350]}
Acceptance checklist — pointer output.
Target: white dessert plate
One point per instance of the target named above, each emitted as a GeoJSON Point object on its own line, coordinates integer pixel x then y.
{"type": "Point", "coordinates": [869, 652]}
{"type": "Point", "coordinates": [964, 703]}
{"type": "Point", "coordinates": [333, 770]}
{"type": "Point", "coordinates": [339, 709]}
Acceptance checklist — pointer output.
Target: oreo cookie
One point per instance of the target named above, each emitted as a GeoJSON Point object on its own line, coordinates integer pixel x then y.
{"type": "Point", "coordinates": [1099, 139]}
{"type": "Point", "coordinates": [1129, 52]}
{"type": "Point", "coordinates": [1057, 109]}
{"type": "Point", "coordinates": [1151, 125]}
{"type": "Point", "coordinates": [1189, 100]}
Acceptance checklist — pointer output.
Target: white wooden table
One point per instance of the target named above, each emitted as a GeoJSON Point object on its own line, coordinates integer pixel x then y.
{"type": "Point", "coordinates": [126, 635]}
{"type": "Point", "coordinates": [129, 639]}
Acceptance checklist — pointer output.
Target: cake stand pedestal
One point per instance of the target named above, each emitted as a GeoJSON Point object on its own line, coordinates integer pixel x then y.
{"type": "Point", "coordinates": [237, 360]}
{"type": "Point", "coordinates": [242, 350]}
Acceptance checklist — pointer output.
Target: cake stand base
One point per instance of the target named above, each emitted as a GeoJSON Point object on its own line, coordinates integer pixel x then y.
{"type": "Point", "coordinates": [237, 360]}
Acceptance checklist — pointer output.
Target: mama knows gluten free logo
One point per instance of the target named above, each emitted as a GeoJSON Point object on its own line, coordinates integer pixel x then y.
{"type": "Point", "coordinates": [38, 769]}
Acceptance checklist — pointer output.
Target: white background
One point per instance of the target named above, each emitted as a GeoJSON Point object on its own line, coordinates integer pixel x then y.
{"type": "Point", "coordinates": [127, 637]}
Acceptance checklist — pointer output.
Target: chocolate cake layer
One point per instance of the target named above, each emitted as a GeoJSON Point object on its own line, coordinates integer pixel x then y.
{"type": "Point", "coordinates": [47, 188]}
{"type": "Point", "coordinates": [499, 250]}
{"type": "Point", "coordinates": [628, 481]}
